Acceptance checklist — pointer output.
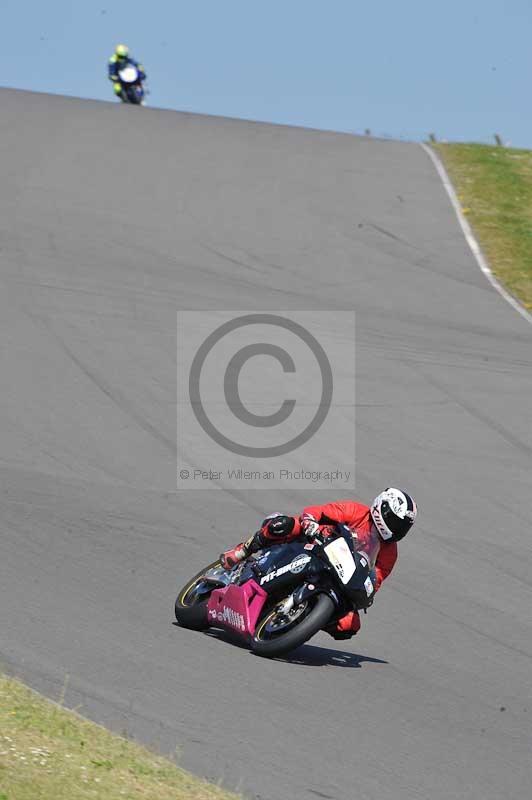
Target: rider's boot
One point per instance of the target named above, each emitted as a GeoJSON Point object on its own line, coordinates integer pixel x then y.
{"type": "Point", "coordinates": [345, 627]}
{"type": "Point", "coordinates": [230, 558]}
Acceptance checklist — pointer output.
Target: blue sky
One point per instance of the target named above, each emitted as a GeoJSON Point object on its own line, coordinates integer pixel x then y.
{"type": "Point", "coordinates": [462, 68]}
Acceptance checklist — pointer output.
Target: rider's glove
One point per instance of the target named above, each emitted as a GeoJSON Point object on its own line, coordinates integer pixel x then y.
{"type": "Point", "coordinates": [309, 525]}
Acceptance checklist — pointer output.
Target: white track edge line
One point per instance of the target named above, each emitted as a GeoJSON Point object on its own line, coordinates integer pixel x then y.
{"type": "Point", "coordinates": [469, 235]}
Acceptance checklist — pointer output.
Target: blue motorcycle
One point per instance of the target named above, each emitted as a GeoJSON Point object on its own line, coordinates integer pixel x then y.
{"type": "Point", "coordinates": [131, 83]}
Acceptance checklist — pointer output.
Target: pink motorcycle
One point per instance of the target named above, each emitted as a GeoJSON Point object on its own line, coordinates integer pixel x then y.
{"type": "Point", "coordinates": [277, 599]}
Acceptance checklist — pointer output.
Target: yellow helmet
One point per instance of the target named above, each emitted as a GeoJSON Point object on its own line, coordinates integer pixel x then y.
{"type": "Point", "coordinates": [121, 51]}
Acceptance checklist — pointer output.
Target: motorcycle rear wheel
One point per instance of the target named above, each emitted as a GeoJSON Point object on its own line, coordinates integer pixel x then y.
{"type": "Point", "coordinates": [191, 606]}
{"type": "Point", "coordinates": [268, 643]}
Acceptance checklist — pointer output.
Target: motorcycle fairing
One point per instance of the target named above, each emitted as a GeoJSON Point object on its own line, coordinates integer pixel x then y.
{"type": "Point", "coordinates": [237, 608]}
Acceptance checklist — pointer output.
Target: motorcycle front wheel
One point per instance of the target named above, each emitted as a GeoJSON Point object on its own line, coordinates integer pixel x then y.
{"type": "Point", "coordinates": [277, 633]}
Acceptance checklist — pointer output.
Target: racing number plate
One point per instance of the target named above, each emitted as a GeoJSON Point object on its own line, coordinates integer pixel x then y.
{"type": "Point", "coordinates": [339, 555]}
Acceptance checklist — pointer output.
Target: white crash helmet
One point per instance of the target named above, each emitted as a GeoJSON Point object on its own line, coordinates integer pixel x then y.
{"type": "Point", "coordinates": [393, 512]}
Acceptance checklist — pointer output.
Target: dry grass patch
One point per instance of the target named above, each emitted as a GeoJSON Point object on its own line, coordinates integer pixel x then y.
{"type": "Point", "coordinates": [49, 753]}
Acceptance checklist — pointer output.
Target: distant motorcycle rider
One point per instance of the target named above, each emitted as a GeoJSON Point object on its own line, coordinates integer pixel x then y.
{"type": "Point", "coordinates": [391, 515]}
{"type": "Point", "coordinates": [118, 61]}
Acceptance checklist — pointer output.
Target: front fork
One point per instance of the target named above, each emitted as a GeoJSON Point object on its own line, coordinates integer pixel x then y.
{"type": "Point", "coordinates": [304, 592]}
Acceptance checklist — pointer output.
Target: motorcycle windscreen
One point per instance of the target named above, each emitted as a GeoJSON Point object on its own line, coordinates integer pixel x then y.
{"type": "Point", "coordinates": [368, 544]}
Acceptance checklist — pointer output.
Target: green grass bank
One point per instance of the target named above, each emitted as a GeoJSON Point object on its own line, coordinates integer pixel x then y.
{"type": "Point", "coordinates": [50, 753]}
{"type": "Point", "coordinates": [494, 186]}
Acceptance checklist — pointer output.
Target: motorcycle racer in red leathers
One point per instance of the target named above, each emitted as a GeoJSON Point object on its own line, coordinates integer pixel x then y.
{"type": "Point", "coordinates": [384, 523]}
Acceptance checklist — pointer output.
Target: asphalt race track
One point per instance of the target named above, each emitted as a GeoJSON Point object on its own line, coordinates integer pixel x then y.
{"type": "Point", "coordinates": [113, 218]}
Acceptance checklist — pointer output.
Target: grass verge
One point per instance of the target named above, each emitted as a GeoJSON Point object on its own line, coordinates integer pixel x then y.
{"type": "Point", "coordinates": [494, 186]}
{"type": "Point", "coordinates": [50, 753]}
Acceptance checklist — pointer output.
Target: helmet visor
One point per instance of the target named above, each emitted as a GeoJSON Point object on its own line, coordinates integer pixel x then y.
{"type": "Point", "coordinates": [399, 526]}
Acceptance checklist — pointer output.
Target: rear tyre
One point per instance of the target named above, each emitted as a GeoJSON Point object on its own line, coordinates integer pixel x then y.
{"type": "Point", "coordinates": [191, 602]}
{"type": "Point", "coordinates": [276, 633]}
